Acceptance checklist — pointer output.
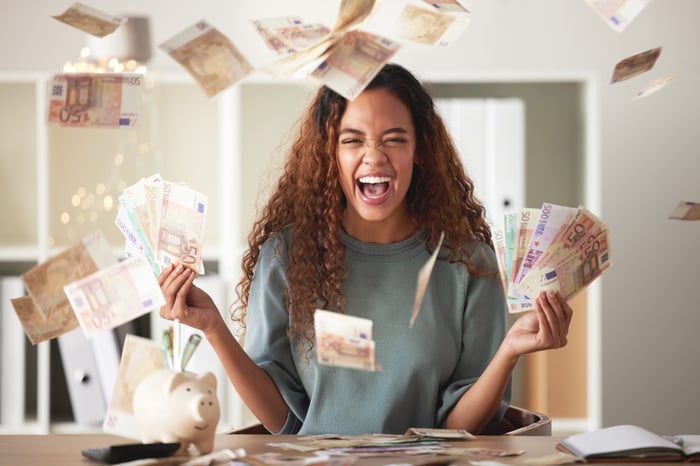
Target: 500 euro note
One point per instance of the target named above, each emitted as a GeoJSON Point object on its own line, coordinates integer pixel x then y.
{"type": "Point", "coordinates": [46, 313]}
{"type": "Point", "coordinates": [209, 57]}
{"type": "Point", "coordinates": [99, 100]}
{"type": "Point", "coordinates": [344, 341]}
{"type": "Point", "coordinates": [115, 295]}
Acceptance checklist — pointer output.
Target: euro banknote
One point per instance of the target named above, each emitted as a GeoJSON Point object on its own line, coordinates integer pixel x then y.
{"type": "Point", "coordinates": [344, 341]}
{"type": "Point", "coordinates": [90, 20]}
{"type": "Point", "coordinates": [95, 100]}
{"type": "Point", "coordinates": [208, 56]}
{"type": "Point", "coordinates": [114, 295]}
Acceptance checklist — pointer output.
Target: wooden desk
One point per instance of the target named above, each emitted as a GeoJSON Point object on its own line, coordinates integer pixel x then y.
{"type": "Point", "coordinates": [65, 449]}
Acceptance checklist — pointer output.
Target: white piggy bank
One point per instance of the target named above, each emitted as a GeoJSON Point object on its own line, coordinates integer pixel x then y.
{"type": "Point", "coordinates": [173, 406]}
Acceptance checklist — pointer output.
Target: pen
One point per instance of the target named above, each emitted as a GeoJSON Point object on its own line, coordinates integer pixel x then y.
{"type": "Point", "coordinates": [190, 346]}
{"type": "Point", "coordinates": [167, 348]}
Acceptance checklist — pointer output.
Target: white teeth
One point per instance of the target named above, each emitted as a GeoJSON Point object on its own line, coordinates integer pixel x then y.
{"type": "Point", "coordinates": [374, 179]}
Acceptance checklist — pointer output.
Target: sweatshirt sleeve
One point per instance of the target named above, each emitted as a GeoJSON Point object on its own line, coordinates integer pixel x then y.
{"type": "Point", "coordinates": [266, 340]}
{"type": "Point", "coordinates": [483, 330]}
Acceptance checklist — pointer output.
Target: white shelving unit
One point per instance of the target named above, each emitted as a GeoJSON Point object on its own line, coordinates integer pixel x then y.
{"type": "Point", "coordinates": [56, 181]}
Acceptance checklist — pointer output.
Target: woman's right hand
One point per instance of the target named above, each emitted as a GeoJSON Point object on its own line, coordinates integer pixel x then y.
{"type": "Point", "coordinates": [185, 301]}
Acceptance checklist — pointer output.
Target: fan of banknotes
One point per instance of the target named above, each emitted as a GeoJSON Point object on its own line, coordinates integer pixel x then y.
{"type": "Point", "coordinates": [163, 221]}
{"type": "Point", "coordinates": [552, 248]}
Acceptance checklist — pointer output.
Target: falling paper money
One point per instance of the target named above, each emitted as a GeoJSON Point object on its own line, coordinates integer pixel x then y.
{"type": "Point", "coordinates": [635, 65]}
{"type": "Point", "coordinates": [423, 278]}
{"type": "Point", "coordinates": [90, 20]}
{"type": "Point", "coordinates": [654, 86]}
{"type": "Point", "coordinates": [618, 14]}
{"type": "Point", "coordinates": [344, 341]}
{"type": "Point", "coordinates": [115, 295]}
{"type": "Point", "coordinates": [95, 100]}
{"type": "Point", "coordinates": [686, 210]}
{"type": "Point", "coordinates": [209, 57]}
{"type": "Point", "coordinates": [46, 313]}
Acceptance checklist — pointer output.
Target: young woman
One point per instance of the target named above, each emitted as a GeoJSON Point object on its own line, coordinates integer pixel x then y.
{"type": "Point", "coordinates": [367, 188]}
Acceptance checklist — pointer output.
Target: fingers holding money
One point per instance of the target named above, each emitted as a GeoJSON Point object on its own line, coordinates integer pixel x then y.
{"type": "Point", "coordinates": [175, 282]}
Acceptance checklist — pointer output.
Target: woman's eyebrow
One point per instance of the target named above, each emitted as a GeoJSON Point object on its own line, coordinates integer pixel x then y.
{"type": "Point", "coordinates": [397, 129]}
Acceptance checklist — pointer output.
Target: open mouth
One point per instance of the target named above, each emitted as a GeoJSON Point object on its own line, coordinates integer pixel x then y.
{"type": "Point", "coordinates": [373, 187]}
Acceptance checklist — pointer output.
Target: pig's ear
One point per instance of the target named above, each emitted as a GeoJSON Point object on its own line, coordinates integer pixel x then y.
{"type": "Point", "coordinates": [173, 380]}
{"type": "Point", "coordinates": [210, 379]}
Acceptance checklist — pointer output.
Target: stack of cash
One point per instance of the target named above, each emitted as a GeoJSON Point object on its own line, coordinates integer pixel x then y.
{"type": "Point", "coordinates": [552, 248]}
{"type": "Point", "coordinates": [164, 221]}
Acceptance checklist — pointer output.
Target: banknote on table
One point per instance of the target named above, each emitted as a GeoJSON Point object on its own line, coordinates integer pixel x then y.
{"type": "Point", "coordinates": [140, 357]}
{"type": "Point", "coordinates": [209, 57]}
{"type": "Point", "coordinates": [45, 281]}
{"type": "Point", "coordinates": [95, 100]}
{"type": "Point", "coordinates": [114, 295]}
{"type": "Point", "coordinates": [686, 210]}
{"type": "Point", "coordinates": [423, 279]}
{"type": "Point", "coordinates": [181, 227]}
{"type": "Point", "coordinates": [655, 86]}
{"type": "Point", "coordinates": [344, 341]}
{"type": "Point", "coordinates": [440, 24]}
{"type": "Point", "coordinates": [618, 14]}
{"type": "Point", "coordinates": [354, 61]}
{"type": "Point", "coordinates": [481, 451]}
{"type": "Point", "coordinates": [90, 20]}
{"type": "Point", "coordinates": [635, 65]}
{"type": "Point", "coordinates": [440, 433]}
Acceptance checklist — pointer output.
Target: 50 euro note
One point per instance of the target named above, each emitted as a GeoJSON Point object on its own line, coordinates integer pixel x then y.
{"type": "Point", "coordinates": [572, 274]}
{"type": "Point", "coordinates": [208, 56]}
{"type": "Point", "coordinates": [90, 20]}
{"type": "Point", "coordinates": [289, 34]}
{"type": "Point", "coordinates": [114, 295]}
{"type": "Point", "coordinates": [46, 313]}
{"type": "Point", "coordinates": [618, 14]}
{"type": "Point", "coordinates": [440, 24]}
{"type": "Point", "coordinates": [354, 61]}
{"type": "Point", "coordinates": [95, 100]}
{"type": "Point", "coordinates": [181, 228]}
{"type": "Point", "coordinates": [344, 341]}
{"type": "Point", "coordinates": [686, 210]}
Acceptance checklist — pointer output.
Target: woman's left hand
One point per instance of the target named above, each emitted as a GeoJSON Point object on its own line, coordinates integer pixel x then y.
{"type": "Point", "coordinates": [545, 328]}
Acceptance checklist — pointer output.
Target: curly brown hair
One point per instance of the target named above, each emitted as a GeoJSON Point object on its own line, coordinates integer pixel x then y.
{"type": "Point", "coordinates": [309, 200]}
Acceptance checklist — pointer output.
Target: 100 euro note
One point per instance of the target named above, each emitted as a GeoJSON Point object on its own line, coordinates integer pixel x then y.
{"type": "Point", "coordinates": [354, 61]}
{"type": "Point", "coordinates": [115, 295]}
{"type": "Point", "coordinates": [209, 57]}
{"type": "Point", "coordinates": [95, 100]}
{"type": "Point", "coordinates": [46, 313]}
{"type": "Point", "coordinates": [344, 341]}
